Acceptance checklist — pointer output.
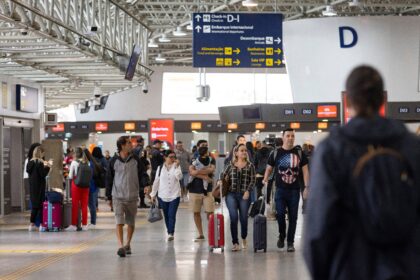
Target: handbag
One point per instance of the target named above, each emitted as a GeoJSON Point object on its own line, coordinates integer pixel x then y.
{"type": "Point", "coordinates": [225, 187]}
{"type": "Point", "coordinates": [154, 214]}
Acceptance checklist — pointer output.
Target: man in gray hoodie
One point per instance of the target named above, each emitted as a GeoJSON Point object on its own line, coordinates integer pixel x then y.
{"type": "Point", "coordinates": [126, 175]}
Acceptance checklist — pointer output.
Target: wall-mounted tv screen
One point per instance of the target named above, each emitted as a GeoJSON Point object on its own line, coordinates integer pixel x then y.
{"type": "Point", "coordinates": [26, 99]}
{"type": "Point", "coordinates": [251, 113]}
{"type": "Point", "coordinates": [131, 68]}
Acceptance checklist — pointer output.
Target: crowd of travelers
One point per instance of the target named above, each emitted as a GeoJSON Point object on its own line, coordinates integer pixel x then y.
{"type": "Point", "coordinates": [359, 188]}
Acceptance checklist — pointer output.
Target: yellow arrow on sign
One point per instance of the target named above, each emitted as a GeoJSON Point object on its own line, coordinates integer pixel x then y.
{"type": "Point", "coordinates": [237, 51]}
{"type": "Point", "coordinates": [278, 62]}
{"type": "Point", "coordinates": [278, 51]}
{"type": "Point", "coordinates": [237, 62]}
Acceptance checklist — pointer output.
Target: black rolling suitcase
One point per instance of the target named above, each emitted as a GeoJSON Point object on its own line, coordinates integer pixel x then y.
{"type": "Point", "coordinates": [260, 230]}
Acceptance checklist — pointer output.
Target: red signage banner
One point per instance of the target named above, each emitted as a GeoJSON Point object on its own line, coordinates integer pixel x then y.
{"type": "Point", "coordinates": [101, 126]}
{"type": "Point", "coordinates": [346, 111]}
{"type": "Point", "coordinates": [327, 111]}
{"type": "Point", "coordinates": [163, 130]}
{"type": "Point", "coordinates": [58, 128]}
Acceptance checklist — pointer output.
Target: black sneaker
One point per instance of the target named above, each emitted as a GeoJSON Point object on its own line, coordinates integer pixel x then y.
{"type": "Point", "coordinates": [290, 248]}
{"type": "Point", "coordinates": [280, 243]}
{"type": "Point", "coordinates": [121, 252]}
{"type": "Point", "coordinates": [127, 250]}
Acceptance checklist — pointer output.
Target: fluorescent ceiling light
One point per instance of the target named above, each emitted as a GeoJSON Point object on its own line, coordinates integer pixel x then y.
{"type": "Point", "coordinates": [250, 3]}
{"type": "Point", "coordinates": [160, 58]}
{"type": "Point", "coordinates": [179, 32]}
{"type": "Point", "coordinates": [164, 39]}
{"type": "Point", "coordinates": [329, 11]}
{"type": "Point", "coordinates": [152, 44]}
{"type": "Point", "coordinates": [354, 3]}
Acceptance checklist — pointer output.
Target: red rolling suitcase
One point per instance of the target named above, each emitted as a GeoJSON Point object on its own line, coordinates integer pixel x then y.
{"type": "Point", "coordinates": [52, 213]}
{"type": "Point", "coordinates": [216, 229]}
{"type": "Point", "coordinates": [51, 216]}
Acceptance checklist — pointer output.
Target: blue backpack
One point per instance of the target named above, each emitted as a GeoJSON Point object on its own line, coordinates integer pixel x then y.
{"type": "Point", "coordinates": [386, 198]}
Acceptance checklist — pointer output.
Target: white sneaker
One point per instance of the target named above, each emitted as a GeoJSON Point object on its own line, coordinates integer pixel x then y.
{"type": "Point", "coordinates": [42, 229]}
{"type": "Point", "coordinates": [71, 228]}
{"type": "Point", "coordinates": [170, 237]}
{"type": "Point", "coordinates": [91, 226]}
{"type": "Point", "coordinates": [85, 227]}
{"type": "Point", "coordinates": [32, 228]}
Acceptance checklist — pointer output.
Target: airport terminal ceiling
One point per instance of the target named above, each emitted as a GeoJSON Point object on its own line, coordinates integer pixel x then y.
{"type": "Point", "coordinates": [74, 47]}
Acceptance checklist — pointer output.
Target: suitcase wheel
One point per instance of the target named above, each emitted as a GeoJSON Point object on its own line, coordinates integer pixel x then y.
{"type": "Point", "coordinates": [223, 249]}
{"type": "Point", "coordinates": [211, 249]}
{"type": "Point", "coordinates": [255, 250]}
{"type": "Point", "coordinates": [265, 250]}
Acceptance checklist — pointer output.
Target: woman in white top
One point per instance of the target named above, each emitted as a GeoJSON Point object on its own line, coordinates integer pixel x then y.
{"type": "Point", "coordinates": [167, 186]}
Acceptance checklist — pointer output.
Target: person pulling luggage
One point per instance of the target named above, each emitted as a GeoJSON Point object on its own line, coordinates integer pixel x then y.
{"type": "Point", "coordinates": [241, 173]}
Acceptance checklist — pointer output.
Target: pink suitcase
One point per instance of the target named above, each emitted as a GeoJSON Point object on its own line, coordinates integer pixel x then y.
{"type": "Point", "coordinates": [52, 216]}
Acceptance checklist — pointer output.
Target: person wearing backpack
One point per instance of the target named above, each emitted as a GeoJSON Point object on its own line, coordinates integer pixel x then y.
{"type": "Point", "coordinates": [80, 175]}
{"type": "Point", "coordinates": [98, 167]}
{"type": "Point", "coordinates": [288, 162]}
{"type": "Point", "coordinates": [260, 163]}
{"type": "Point", "coordinates": [126, 175]}
{"type": "Point", "coordinates": [363, 207]}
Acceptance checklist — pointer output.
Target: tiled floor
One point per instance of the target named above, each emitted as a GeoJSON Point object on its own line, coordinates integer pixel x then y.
{"type": "Point", "coordinates": [92, 254]}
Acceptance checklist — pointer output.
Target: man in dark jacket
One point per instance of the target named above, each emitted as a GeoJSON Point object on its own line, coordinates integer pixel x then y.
{"type": "Point", "coordinates": [157, 157]}
{"type": "Point", "coordinates": [126, 175]}
{"type": "Point", "coordinates": [260, 164]}
{"type": "Point", "coordinates": [336, 245]}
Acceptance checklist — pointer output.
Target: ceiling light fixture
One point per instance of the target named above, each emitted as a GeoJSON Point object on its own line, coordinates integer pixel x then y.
{"type": "Point", "coordinates": [164, 39]}
{"type": "Point", "coordinates": [179, 32]}
{"type": "Point", "coordinates": [354, 3]}
{"type": "Point", "coordinates": [249, 3]}
{"type": "Point", "coordinates": [329, 11]}
{"type": "Point", "coordinates": [160, 58]}
{"type": "Point", "coordinates": [152, 43]}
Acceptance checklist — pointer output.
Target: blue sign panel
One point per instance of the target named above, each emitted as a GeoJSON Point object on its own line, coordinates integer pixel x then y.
{"type": "Point", "coordinates": [235, 40]}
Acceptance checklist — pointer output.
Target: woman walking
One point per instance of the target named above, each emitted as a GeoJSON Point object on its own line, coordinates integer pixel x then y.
{"type": "Point", "coordinates": [241, 174]}
{"type": "Point", "coordinates": [167, 186]}
{"type": "Point", "coordinates": [37, 170]}
{"type": "Point", "coordinates": [80, 193]}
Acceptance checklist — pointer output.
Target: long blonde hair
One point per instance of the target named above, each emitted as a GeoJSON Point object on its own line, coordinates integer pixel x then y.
{"type": "Point", "coordinates": [37, 154]}
{"type": "Point", "coordinates": [235, 150]}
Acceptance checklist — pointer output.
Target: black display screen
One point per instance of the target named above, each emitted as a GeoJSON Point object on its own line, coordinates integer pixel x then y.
{"type": "Point", "coordinates": [131, 68]}
{"type": "Point", "coordinates": [251, 113]}
{"type": "Point", "coordinates": [26, 99]}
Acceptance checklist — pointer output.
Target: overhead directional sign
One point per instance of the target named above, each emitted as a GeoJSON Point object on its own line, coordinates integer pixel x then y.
{"type": "Point", "coordinates": [235, 40]}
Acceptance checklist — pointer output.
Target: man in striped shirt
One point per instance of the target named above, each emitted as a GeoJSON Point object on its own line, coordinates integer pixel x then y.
{"type": "Point", "coordinates": [287, 162]}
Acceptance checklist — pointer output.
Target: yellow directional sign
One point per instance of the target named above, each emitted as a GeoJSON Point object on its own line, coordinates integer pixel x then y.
{"type": "Point", "coordinates": [269, 51]}
{"type": "Point", "coordinates": [237, 62]}
{"type": "Point", "coordinates": [269, 62]}
{"type": "Point", "coordinates": [278, 51]}
{"type": "Point", "coordinates": [278, 62]}
{"type": "Point", "coordinates": [228, 61]}
{"type": "Point", "coordinates": [219, 61]}
{"type": "Point", "coordinates": [228, 51]}
{"type": "Point", "coordinates": [237, 51]}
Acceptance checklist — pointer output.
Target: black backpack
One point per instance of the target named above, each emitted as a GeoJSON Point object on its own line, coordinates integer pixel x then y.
{"type": "Point", "coordinates": [385, 195]}
{"type": "Point", "coordinates": [84, 175]}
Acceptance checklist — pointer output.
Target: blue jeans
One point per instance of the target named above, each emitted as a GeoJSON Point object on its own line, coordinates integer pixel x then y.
{"type": "Point", "coordinates": [235, 203]}
{"type": "Point", "coordinates": [287, 198]}
{"type": "Point", "coordinates": [169, 212]}
{"type": "Point", "coordinates": [93, 198]}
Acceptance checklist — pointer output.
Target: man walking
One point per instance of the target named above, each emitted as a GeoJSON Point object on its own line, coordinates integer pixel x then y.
{"type": "Point", "coordinates": [287, 161]}
{"type": "Point", "coordinates": [363, 208]}
{"type": "Point", "coordinates": [126, 175]}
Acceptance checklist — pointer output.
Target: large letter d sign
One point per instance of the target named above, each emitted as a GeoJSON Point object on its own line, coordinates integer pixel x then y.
{"type": "Point", "coordinates": [350, 32]}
